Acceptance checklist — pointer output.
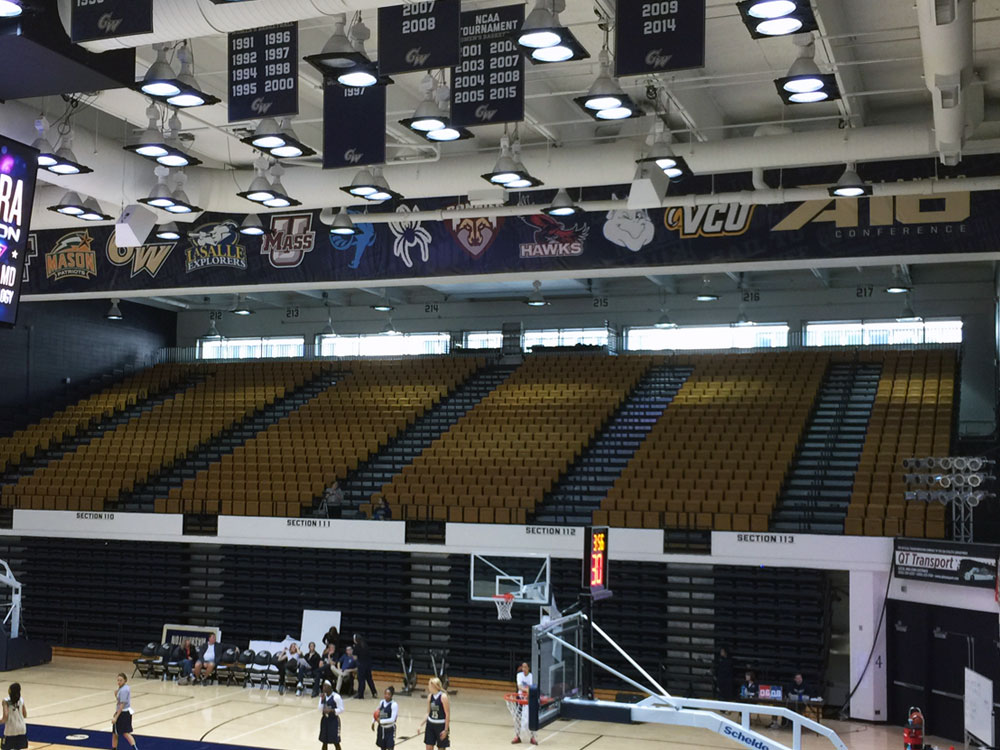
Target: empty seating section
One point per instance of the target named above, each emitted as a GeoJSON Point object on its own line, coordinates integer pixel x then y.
{"type": "Point", "coordinates": [290, 463]}
{"type": "Point", "coordinates": [717, 456]}
{"type": "Point", "coordinates": [497, 462]}
{"type": "Point", "coordinates": [119, 459]}
{"type": "Point", "coordinates": [912, 416]}
{"type": "Point", "coordinates": [67, 422]}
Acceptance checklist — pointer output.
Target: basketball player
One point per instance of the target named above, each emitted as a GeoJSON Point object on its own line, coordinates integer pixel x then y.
{"type": "Point", "coordinates": [332, 706]}
{"type": "Point", "coordinates": [524, 682]}
{"type": "Point", "coordinates": [438, 716]}
{"type": "Point", "coordinates": [386, 715]}
{"type": "Point", "coordinates": [122, 722]}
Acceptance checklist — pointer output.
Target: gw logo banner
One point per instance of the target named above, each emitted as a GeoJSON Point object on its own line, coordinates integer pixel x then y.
{"type": "Point", "coordinates": [715, 220]}
{"type": "Point", "coordinates": [883, 211]}
{"type": "Point", "coordinates": [148, 258]}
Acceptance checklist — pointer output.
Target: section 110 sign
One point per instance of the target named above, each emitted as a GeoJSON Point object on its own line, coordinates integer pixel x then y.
{"type": "Point", "coordinates": [18, 166]}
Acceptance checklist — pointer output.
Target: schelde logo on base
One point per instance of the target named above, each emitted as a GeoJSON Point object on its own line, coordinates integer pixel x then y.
{"type": "Point", "coordinates": [746, 739]}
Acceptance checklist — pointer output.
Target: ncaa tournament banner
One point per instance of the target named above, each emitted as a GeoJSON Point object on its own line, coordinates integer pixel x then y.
{"type": "Point", "coordinates": [487, 85]}
{"type": "Point", "coordinates": [654, 36]}
{"type": "Point", "coordinates": [299, 249]}
{"type": "Point", "coordinates": [955, 563]}
{"type": "Point", "coordinates": [349, 139]}
{"type": "Point", "coordinates": [18, 168]}
{"type": "Point", "coordinates": [418, 36]}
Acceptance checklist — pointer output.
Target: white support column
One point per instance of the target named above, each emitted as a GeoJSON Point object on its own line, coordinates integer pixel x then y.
{"type": "Point", "coordinates": [866, 599]}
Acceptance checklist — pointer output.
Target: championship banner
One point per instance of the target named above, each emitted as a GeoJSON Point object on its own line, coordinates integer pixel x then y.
{"type": "Point", "coordinates": [299, 249]}
{"type": "Point", "coordinates": [105, 19]}
{"type": "Point", "coordinates": [264, 72]}
{"type": "Point", "coordinates": [418, 36]}
{"type": "Point", "coordinates": [973, 565]}
{"type": "Point", "coordinates": [654, 36]}
{"type": "Point", "coordinates": [18, 167]}
{"type": "Point", "coordinates": [353, 125]}
{"type": "Point", "coordinates": [487, 86]}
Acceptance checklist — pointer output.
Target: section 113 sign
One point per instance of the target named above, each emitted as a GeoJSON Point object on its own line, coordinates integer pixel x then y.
{"type": "Point", "coordinates": [652, 36]}
{"type": "Point", "coordinates": [18, 167]}
{"type": "Point", "coordinates": [264, 72]}
{"type": "Point", "coordinates": [418, 36]}
{"type": "Point", "coordinates": [488, 84]}
{"type": "Point", "coordinates": [104, 19]}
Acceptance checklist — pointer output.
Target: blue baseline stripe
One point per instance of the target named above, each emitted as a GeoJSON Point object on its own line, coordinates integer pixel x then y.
{"type": "Point", "coordinates": [58, 736]}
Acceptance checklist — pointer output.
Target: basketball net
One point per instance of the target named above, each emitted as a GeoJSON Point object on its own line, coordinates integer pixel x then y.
{"type": "Point", "coordinates": [505, 606]}
{"type": "Point", "coordinates": [517, 704]}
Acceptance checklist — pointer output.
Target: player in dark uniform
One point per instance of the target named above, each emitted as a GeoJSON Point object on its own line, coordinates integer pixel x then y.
{"type": "Point", "coordinates": [332, 706]}
{"type": "Point", "coordinates": [438, 716]}
{"type": "Point", "coordinates": [386, 715]}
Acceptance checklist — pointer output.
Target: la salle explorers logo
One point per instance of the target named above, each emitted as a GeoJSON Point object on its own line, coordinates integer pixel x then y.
{"type": "Point", "coordinates": [72, 257]}
{"type": "Point", "coordinates": [290, 238]}
{"type": "Point", "coordinates": [215, 246]}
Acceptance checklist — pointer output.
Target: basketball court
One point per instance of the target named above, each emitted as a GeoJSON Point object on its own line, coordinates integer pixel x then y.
{"type": "Point", "coordinates": [70, 704]}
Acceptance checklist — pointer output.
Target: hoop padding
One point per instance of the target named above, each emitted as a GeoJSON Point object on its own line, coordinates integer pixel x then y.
{"type": "Point", "coordinates": [505, 606]}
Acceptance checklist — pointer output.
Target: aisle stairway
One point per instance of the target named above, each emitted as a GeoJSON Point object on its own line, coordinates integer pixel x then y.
{"type": "Point", "coordinates": [580, 490]}
{"type": "Point", "coordinates": [368, 478]}
{"type": "Point", "coordinates": [817, 491]}
{"type": "Point", "coordinates": [143, 499]}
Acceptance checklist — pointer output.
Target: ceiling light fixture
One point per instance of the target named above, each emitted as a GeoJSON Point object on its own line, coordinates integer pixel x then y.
{"type": "Point", "coordinates": [160, 195]}
{"type": "Point", "coordinates": [160, 80]}
{"type": "Point", "coordinates": [342, 224]}
{"type": "Point", "coordinates": [897, 290]}
{"type": "Point", "coordinates": [371, 185]}
{"type": "Point", "coordinates": [543, 39]}
{"type": "Point", "coordinates": [71, 204]}
{"type": "Point", "coordinates": [606, 100]}
{"type": "Point", "coordinates": [742, 319]}
{"type": "Point", "coordinates": [661, 152]}
{"type": "Point", "coordinates": [705, 297]}
{"type": "Point", "coordinates": [383, 306]}
{"type": "Point", "coordinates": [362, 185]}
{"type": "Point", "coordinates": [46, 153]}
{"type": "Point", "coordinates": [241, 307]}
{"type": "Point", "coordinates": [168, 232]}
{"type": "Point", "coordinates": [508, 171]}
{"type": "Point", "coordinates": [92, 211]}
{"type": "Point", "coordinates": [260, 187]}
{"type": "Point", "coordinates": [252, 226]}
{"type": "Point", "coordinates": [292, 148]}
{"type": "Point", "coordinates": [907, 315]}
{"type": "Point", "coordinates": [114, 312]}
{"type": "Point", "coordinates": [562, 205]}
{"type": "Point", "coordinates": [850, 185]}
{"type": "Point", "coordinates": [279, 196]}
{"type": "Point", "coordinates": [181, 204]}
{"type": "Point", "coordinates": [212, 332]}
{"type": "Point", "coordinates": [277, 139]}
{"type": "Point", "coordinates": [189, 94]}
{"type": "Point", "coordinates": [664, 321]}
{"type": "Point", "coordinates": [524, 179]}
{"type": "Point", "coordinates": [536, 298]}
{"type": "Point", "coordinates": [431, 119]}
{"type": "Point", "coordinates": [805, 84]}
{"type": "Point", "coordinates": [64, 161]}
{"type": "Point", "coordinates": [150, 142]}
{"type": "Point", "coordinates": [339, 54]}
{"type": "Point", "coordinates": [11, 8]}
{"type": "Point", "coordinates": [768, 18]}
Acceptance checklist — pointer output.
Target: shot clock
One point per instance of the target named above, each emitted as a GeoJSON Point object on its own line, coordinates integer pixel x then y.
{"type": "Point", "coordinates": [595, 556]}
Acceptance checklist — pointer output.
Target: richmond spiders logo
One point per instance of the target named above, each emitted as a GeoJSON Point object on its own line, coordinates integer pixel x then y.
{"type": "Point", "coordinates": [290, 238]}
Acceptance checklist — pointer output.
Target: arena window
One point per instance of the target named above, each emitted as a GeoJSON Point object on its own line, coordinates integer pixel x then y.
{"type": "Point", "coordinates": [383, 344]}
{"type": "Point", "coordinates": [251, 348]}
{"type": "Point", "coordinates": [763, 336]}
{"type": "Point", "coordinates": [483, 339]}
{"type": "Point", "coordinates": [566, 337]}
{"type": "Point", "coordinates": [883, 333]}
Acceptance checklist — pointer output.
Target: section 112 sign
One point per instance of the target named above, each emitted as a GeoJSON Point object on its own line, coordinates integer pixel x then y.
{"type": "Point", "coordinates": [18, 167]}
{"type": "Point", "coordinates": [264, 72]}
{"type": "Point", "coordinates": [487, 86]}
{"type": "Point", "coordinates": [653, 36]}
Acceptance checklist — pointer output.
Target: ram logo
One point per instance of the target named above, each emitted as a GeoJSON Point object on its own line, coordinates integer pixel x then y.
{"type": "Point", "coordinates": [713, 220]}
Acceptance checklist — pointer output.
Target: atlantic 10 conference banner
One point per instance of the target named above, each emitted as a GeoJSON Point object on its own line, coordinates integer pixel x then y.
{"type": "Point", "coordinates": [299, 249]}
{"type": "Point", "coordinates": [18, 167]}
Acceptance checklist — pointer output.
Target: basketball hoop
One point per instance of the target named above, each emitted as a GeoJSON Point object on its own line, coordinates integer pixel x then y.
{"type": "Point", "coordinates": [516, 704]}
{"type": "Point", "coordinates": [505, 606]}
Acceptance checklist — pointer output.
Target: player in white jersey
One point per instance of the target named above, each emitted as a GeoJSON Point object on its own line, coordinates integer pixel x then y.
{"type": "Point", "coordinates": [524, 682]}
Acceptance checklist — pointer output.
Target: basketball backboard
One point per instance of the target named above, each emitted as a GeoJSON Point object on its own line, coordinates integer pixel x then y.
{"type": "Point", "coordinates": [527, 578]}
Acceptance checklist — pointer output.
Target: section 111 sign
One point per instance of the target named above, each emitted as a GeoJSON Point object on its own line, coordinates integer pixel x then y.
{"type": "Point", "coordinates": [488, 84]}
{"type": "Point", "coordinates": [264, 72]}
{"type": "Point", "coordinates": [18, 167]}
{"type": "Point", "coordinates": [653, 36]}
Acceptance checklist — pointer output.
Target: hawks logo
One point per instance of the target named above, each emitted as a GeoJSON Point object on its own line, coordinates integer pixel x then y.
{"type": "Point", "coordinates": [148, 258]}
{"type": "Point", "coordinates": [291, 237]}
{"type": "Point", "coordinates": [552, 238]}
{"type": "Point", "coordinates": [477, 235]}
{"type": "Point", "coordinates": [72, 257]}
{"type": "Point", "coordinates": [715, 220]}
{"type": "Point", "coordinates": [215, 245]}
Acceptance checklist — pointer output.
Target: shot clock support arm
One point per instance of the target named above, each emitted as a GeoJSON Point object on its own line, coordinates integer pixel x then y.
{"type": "Point", "coordinates": [12, 620]}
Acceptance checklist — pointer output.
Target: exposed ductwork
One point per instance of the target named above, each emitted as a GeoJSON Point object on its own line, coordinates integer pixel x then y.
{"type": "Point", "coordinates": [189, 19]}
{"type": "Point", "coordinates": [946, 44]}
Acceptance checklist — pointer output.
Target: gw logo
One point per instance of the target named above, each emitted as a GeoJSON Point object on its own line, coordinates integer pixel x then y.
{"type": "Point", "coordinates": [108, 23]}
{"type": "Point", "coordinates": [883, 211]}
{"type": "Point", "coordinates": [715, 220]}
{"type": "Point", "coordinates": [417, 56]}
{"type": "Point", "coordinates": [485, 113]}
{"type": "Point", "coordinates": [657, 59]}
{"type": "Point", "coordinates": [353, 156]}
{"type": "Point", "coordinates": [259, 106]}
{"type": "Point", "coordinates": [148, 258]}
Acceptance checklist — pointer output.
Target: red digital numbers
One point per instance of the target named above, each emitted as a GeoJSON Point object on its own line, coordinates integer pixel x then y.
{"type": "Point", "coordinates": [597, 559]}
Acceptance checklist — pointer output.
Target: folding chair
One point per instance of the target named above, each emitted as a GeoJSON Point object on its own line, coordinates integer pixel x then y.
{"type": "Point", "coordinates": [144, 662]}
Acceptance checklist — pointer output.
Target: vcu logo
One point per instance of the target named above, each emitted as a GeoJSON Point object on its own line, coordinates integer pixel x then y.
{"type": "Point", "coordinates": [291, 237]}
{"type": "Point", "coordinates": [714, 220]}
{"type": "Point", "coordinates": [148, 258]}
{"type": "Point", "coordinates": [883, 211]}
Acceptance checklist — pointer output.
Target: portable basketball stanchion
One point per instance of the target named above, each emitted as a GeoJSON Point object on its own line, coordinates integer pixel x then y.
{"type": "Point", "coordinates": [505, 606]}
{"type": "Point", "coordinates": [409, 673]}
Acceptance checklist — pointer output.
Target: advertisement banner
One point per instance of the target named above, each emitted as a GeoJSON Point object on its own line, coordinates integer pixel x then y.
{"type": "Point", "coordinates": [264, 72]}
{"type": "Point", "coordinates": [955, 563]}
{"type": "Point", "coordinates": [488, 84]}
{"type": "Point", "coordinates": [302, 251]}
{"type": "Point", "coordinates": [18, 167]}
{"type": "Point", "coordinates": [349, 140]}
{"type": "Point", "coordinates": [654, 36]}
{"type": "Point", "coordinates": [418, 36]}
